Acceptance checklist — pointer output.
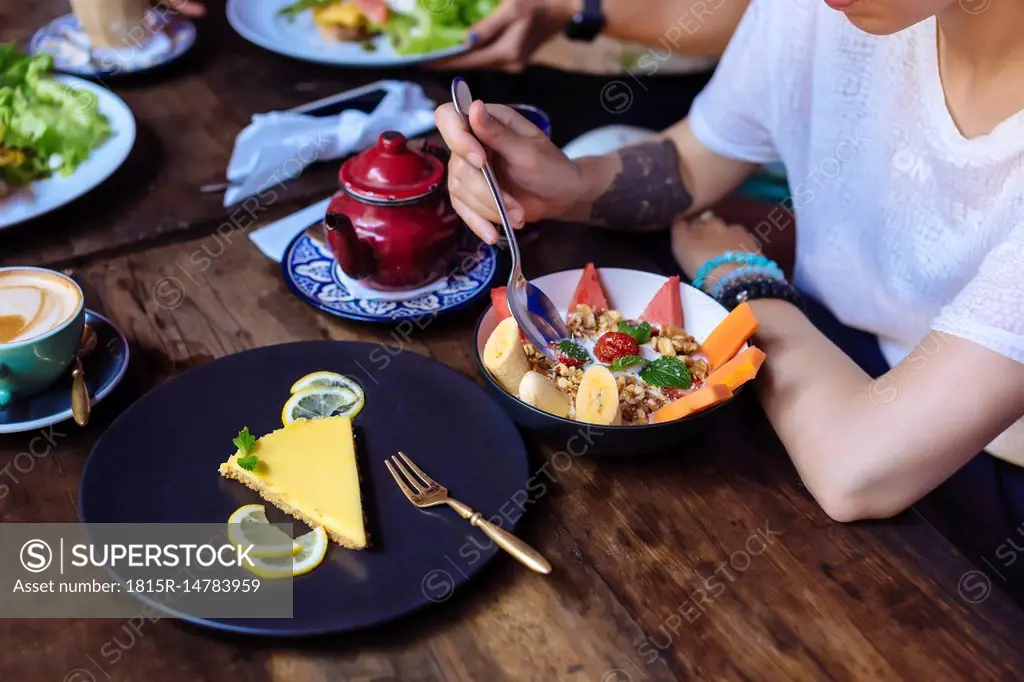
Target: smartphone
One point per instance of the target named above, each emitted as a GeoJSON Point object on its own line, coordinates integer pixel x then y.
{"type": "Point", "coordinates": [364, 99]}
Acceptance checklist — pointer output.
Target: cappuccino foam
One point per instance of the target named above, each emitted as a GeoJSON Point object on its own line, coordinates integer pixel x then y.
{"type": "Point", "coordinates": [33, 302]}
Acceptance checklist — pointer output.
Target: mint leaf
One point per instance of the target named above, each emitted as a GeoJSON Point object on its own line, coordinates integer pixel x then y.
{"type": "Point", "coordinates": [641, 332]}
{"type": "Point", "coordinates": [573, 350]}
{"type": "Point", "coordinates": [245, 441]}
{"type": "Point", "coordinates": [667, 372]}
{"type": "Point", "coordinates": [248, 462]}
{"type": "Point", "coordinates": [619, 364]}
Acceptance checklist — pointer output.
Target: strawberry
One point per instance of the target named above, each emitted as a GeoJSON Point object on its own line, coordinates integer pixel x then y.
{"type": "Point", "coordinates": [614, 345]}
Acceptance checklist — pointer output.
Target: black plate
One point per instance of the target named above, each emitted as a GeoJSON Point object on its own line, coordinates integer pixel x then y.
{"type": "Point", "coordinates": [158, 464]}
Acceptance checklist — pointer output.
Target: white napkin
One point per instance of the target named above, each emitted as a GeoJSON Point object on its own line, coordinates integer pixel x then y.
{"type": "Point", "coordinates": [278, 146]}
{"type": "Point", "coordinates": [273, 240]}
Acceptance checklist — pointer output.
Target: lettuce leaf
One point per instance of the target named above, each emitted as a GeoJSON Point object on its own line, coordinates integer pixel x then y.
{"type": "Point", "coordinates": [435, 24]}
{"type": "Point", "coordinates": [54, 126]}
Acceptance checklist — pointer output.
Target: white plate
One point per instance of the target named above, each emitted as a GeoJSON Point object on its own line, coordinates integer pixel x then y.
{"type": "Point", "coordinates": [43, 196]}
{"type": "Point", "coordinates": [259, 23]}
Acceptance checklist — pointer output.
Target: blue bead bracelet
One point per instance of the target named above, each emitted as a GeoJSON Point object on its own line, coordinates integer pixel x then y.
{"type": "Point", "coordinates": [754, 260]}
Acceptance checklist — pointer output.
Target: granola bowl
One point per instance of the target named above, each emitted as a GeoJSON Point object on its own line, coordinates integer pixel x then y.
{"type": "Point", "coordinates": [628, 292]}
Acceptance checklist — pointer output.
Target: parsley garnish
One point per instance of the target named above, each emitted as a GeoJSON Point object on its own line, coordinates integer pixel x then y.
{"type": "Point", "coordinates": [245, 442]}
{"type": "Point", "coordinates": [641, 332]}
{"type": "Point", "coordinates": [668, 372]}
{"type": "Point", "coordinates": [573, 350]}
{"type": "Point", "coordinates": [619, 364]}
{"type": "Point", "coordinates": [248, 462]}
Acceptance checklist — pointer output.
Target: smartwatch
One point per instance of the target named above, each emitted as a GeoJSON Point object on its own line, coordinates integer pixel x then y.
{"type": "Point", "coordinates": [588, 23]}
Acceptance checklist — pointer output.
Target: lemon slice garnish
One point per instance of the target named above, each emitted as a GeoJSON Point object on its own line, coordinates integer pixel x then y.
{"type": "Point", "coordinates": [326, 379]}
{"type": "Point", "coordinates": [327, 401]}
{"type": "Point", "coordinates": [248, 525]}
{"type": "Point", "coordinates": [312, 549]}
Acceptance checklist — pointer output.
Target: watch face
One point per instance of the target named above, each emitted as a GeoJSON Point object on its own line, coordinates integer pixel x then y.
{"type": "Point", "coordinates": [585, 25]}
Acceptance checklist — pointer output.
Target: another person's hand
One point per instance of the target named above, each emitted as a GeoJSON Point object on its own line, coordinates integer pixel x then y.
{"type": "Point", "coordinates": [508, 37]}
{"type": "Point", "coordinates": [538, 180]}
{"type": "Point", "coordinates": [190, 8]}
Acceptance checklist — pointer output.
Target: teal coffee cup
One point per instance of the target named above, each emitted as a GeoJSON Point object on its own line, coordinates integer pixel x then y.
{"type": "Point", "coordinates": [42, 313]}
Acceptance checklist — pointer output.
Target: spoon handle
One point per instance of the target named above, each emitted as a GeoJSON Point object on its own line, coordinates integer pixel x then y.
{"type": "Point", "coordinates": [80, 406]}
{"type": "Point", "coordinates": [510, 235]}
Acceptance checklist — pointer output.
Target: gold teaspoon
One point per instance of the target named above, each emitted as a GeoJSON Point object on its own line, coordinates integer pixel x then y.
{"type": "Point", "coordinates": [80, 405]}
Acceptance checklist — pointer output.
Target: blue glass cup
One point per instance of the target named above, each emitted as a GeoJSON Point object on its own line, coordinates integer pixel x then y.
{"type": "Point", "coordinates": [535, 116]}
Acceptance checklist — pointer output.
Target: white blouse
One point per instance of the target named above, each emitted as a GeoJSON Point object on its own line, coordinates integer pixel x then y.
{"type": "Point", "coordinates": [905, 226]}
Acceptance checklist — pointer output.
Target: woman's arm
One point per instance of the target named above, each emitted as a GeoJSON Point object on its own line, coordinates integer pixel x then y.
{"type": "Point", "coordinates": [868, 448]}
{"type": "Point", "coordinates": [644, 187]}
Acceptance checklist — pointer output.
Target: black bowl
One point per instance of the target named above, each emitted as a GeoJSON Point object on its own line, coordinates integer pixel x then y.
{"type": "Point", "coordinates": [578, 438]}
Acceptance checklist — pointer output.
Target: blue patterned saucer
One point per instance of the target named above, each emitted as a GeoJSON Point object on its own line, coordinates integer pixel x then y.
{"type": "Point", "coordinates": [167, 37]}
{"type": "Point", "coordinates": [312, 273]}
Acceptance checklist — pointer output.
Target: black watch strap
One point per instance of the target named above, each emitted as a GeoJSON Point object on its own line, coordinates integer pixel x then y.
{"type": "Point", "coordinates": [588, 23]}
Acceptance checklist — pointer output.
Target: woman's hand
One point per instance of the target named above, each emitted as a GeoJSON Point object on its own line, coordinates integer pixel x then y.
{"type": "Point", "coordinates": [696, 241]}
{"type": "Point", "coordinates": [508, 37]}
{"type": "Point", "coordinates": [537, 179]}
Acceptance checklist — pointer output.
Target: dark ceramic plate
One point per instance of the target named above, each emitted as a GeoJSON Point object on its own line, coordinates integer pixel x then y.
{"type": "Point", "coordinates": [104, 368]}
{"type": "Point", "coordinates": [441, 419]}
{"type": "Point", "coordinates": [628, 291]}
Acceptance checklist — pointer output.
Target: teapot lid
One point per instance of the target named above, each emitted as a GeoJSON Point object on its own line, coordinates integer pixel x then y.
{"type": "Point", "coordinates": [390, 171]}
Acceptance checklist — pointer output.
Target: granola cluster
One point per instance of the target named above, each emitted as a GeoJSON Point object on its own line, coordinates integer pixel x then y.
{"type": "Point", "coordinates": [638, 400]}
{"type": "Point", "coordinates": [587, 322]}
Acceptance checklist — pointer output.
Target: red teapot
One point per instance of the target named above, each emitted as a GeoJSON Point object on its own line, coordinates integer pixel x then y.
{"type": "Point", "coordinates": [392, 226]}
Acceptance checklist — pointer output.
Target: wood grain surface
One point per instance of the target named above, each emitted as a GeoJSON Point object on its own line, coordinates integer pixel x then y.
{"type": "Point", "coordinates": [708, 563]}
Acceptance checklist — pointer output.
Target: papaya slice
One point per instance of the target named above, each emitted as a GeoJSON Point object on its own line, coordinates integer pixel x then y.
{"type": "Point", "coordinates": [739, 370]}
{"type": "Point", "coordinates": [666, 308]}
{"type": "Point", "coordinates": [589, 291]}
{"type": "Point", "coordinates": [704, 397]}
{"type": "Point", "coordinates": [499, 299]}
{"type": "Point", "coordinates": [731, 333]}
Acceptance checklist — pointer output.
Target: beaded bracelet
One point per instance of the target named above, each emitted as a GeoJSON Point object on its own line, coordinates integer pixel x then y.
{"type": "Point", "coordinates": [743, 272]}
{"type": "Point", "coordinates": [736, 257]}
{"type": "Point", "coordinates": [759, 287]}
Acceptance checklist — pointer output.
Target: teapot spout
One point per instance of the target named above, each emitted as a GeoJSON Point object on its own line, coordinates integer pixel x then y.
{"type": "Point", "coordinates": [354, 256]}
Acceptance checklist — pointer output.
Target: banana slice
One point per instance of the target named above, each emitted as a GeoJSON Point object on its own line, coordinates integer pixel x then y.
{"type": "Point", "coordinates": [597, 400]}
{"type": "Point", "coordinates": [540, 391]}
{"type": "Point", "coordinates": [504, 356]}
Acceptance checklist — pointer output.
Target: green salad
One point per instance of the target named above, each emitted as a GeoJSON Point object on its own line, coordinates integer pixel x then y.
{"type": "Point", "coordinates": [46, 127]}
{"type": "Point", "coordinates": [412, 26]}
{"type": "Point", "coordinates": [435, 24]}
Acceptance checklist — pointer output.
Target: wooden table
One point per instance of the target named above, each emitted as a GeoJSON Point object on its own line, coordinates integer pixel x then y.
{"type": "Point", "coordinates": [708, 563]}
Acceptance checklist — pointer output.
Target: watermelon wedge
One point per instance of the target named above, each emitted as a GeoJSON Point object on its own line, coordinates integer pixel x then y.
{"type": "Point", "coordinates": [589, 291]}
{"type": "Point", "coordinates": [666, 308]}
{"type": "Point", "coordinates": [499, 299]}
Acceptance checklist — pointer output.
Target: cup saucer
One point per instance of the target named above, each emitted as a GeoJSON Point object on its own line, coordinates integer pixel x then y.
{"type": "Point", "coordinates": [104, 368]}
{"type": "Point", "coordinates": [168, 36]}
{"type": "Point", "coordinates": [312, 273]}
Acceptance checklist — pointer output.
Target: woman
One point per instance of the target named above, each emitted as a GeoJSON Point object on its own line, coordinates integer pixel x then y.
{"type": "Point", "coordinates": [900, 124]}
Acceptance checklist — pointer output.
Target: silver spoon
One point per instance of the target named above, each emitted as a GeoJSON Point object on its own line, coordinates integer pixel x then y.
{"type": "Point", "coordinates": [536, 315]}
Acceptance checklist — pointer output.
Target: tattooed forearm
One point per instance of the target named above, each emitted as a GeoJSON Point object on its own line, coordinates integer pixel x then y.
{"type": "Point", "coordinates": [647, 194]}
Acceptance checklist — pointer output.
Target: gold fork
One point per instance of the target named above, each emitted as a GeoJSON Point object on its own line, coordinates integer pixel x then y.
{"type": "Point", "coordinates": [423, 491]}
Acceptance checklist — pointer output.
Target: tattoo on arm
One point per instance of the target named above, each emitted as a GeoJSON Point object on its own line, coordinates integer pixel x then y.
{"type": "Point", "coordinates": [647, 194]}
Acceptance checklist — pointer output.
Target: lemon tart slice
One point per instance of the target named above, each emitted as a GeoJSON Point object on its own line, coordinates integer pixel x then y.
{"type": "Point", "coordinates": [309, 471]}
